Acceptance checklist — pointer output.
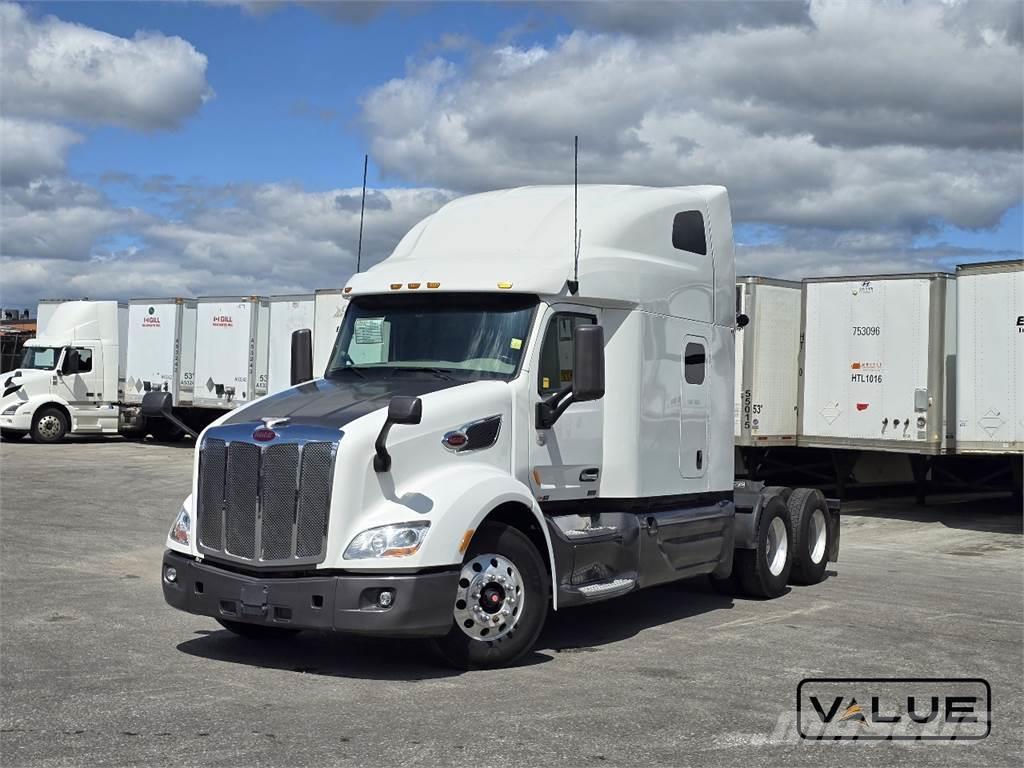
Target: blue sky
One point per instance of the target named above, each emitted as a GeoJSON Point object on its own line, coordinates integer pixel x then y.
{"type": "Point", "coordinates": [220, 141]}
{"type": "Point", "coordinates": [275, 74]}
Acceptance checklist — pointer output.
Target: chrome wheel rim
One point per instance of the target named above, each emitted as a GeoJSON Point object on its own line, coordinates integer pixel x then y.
{"type": "Point", "coordinates": [490, 598]}
{"type": "Point", "coordinates": [817, 536]}
{"type": "Point", "coordinates": [48, 426]}
{"type": "Point", "coordinates": [778, 546]}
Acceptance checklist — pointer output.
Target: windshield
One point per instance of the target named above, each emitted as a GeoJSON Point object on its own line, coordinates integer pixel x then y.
{"type": "Point", "coordinates": [471, 336]}
{"type": "Point", "coordinates": [41, 358]}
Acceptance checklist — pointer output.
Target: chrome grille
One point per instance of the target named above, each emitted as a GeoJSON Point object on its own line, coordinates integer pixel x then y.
{"type": "Point", "coordinates": [264, 504]}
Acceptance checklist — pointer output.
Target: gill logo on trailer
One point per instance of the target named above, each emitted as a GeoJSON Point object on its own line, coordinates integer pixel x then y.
{"type": "Point", "coordinates": [150, 320]}
{"type": "Point", "coordinates": [223, 321]}
{"type": "Point", "coordinates": [1020, 324]}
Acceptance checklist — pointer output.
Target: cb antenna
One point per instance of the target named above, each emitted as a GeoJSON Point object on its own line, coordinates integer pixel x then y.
{"type": "Point", "coordinates": [362, 211]}
{"type": "Point", "coordinates": [577, 233]}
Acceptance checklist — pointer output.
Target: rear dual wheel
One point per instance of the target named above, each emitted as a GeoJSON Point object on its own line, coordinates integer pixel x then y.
{"type": "Point", "coordinates": [811, 533]}
{"type": "Point", "coordinates": [764, 571]}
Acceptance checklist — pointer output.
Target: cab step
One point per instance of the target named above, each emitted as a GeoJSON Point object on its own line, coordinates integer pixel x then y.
{"type": "Point", "coordinates": [589, 533]}
{"type": "Point", "coordinates": [606, 588]}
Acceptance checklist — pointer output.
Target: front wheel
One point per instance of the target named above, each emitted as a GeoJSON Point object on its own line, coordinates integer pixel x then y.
{"type": "Point", "coordinates": [49, 426]}
{"type": "Point", "coordinates": [500, 603]}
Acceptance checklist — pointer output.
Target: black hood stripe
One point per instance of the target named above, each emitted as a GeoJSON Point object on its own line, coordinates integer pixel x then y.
{"type": "Point", "coordinates": [334, 402]}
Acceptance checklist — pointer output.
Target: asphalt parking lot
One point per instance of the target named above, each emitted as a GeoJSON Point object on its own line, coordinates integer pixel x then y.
{"type": "Point", "coordinates": [96, 670]}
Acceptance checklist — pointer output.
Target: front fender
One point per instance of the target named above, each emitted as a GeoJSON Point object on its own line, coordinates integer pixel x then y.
{"type": "Point", "coordinates": [453, 506]}
{"type": "Point", "coordinates": [32, 403]}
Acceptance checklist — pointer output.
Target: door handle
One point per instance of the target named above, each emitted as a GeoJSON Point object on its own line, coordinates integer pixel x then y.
{"type": "Point", "coordinates": [589, 475]}
{"type": "Point", "coordinates": [700, 459]}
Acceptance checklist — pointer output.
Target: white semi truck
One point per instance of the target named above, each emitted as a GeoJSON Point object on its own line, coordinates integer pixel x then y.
{"type": "Point", "coordinates": [499, 431]}
{"type": "Point", "coordinates": [71, 377]}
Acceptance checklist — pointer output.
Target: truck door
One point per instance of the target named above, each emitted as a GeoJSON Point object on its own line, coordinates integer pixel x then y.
{"type": "Point", "coordinates": [565, 460]}
{"type": "Point", "coordinates": [694, 412]}
{"type": "Point", "coordinates": [86, 386]}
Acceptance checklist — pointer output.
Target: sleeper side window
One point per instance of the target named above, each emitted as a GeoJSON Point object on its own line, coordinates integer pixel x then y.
{"type": "Point", "coordinates": [688, 232]}
{"type": "Point", "coordinates": [557, 352]}
{"type": "Point", "coordinates": [694, 363]}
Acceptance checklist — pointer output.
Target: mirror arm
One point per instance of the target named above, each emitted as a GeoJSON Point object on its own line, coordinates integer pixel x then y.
{"type": "Point", "coordinates": [553, 406]}
{"type": "Point", "coordinates": [382, 459]}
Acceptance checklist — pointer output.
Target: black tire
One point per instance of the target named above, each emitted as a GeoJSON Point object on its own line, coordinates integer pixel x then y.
{"type": "Point", "coordinates": [751, 566]}
{"type": "Point", "coordinates": [257, 631]}
{"type": "Point", "coordinates": [811, 543]}
{"type": "Point", "coordinates": [11, 435]}
{"type": "Point", "coordinates": [164, 431]}
{"type": "Point", "coordinates": [50, 425]}
{"type": "Point", "coordinates": [464, 652]}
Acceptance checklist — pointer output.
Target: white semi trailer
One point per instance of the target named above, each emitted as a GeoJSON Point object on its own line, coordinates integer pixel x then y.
{"type": "Point", "coordinates": [497, 433]}
{"type": "Point", "coordinates": [329, 309]}
{"type": "Point", "coordinates": [878, 362]}
{"type": "Point", "coordinates": [767, 362]}
{"type": "Point", "coordinates": [71, 377]}
{"type": "Point", "coordinates": [287, 315]}
{"type": "Point", "coordinates": [231, 350]}
{"type": "Point", "coordinates": [990, 358]}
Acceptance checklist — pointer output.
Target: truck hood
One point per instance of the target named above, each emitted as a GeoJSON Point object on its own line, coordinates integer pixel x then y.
{"type": "Point", "coordinates": [334, 403]}
{"type": "Point", "coordinates": [20, 379]}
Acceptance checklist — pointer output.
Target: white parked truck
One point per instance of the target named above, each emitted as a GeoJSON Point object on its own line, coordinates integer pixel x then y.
{"type": "Point", "coordinates": [497, 433]}
{"type": "Point", "coordinates": [71, 376]}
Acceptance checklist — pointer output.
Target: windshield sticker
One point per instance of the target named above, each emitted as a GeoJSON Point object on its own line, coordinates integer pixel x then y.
{"type": "Point", "coordinates": [369, 330]}
{"type": "Point", "coordinates": [516, 344]}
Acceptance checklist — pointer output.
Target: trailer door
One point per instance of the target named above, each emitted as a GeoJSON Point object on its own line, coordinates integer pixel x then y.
{"type": "Point", "coordinates": [694, 412]}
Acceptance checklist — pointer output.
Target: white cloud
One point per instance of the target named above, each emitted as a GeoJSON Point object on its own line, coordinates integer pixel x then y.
{"type": "Point", "coordinates": [29, 148]}
{"type": "Point", "coordinates": [58, 70]}
{"type": "Point", "coordinates": [236, 239]}
{"type": "Point", "coordinates": [847, 116]}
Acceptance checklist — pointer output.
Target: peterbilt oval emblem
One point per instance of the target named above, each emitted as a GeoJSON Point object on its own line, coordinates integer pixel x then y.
{"type": "Point", "coordinates": [263, 434]}
{"type": "Point", "coordinates": [455, 440]}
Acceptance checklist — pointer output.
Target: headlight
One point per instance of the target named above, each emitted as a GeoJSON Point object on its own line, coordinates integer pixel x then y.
{"type": "Point", "coordinates": [10, 409]}
{"type": "Point", "coordinates": [396, 540]}
{"type": "Point", "coordinates": [182, 525]}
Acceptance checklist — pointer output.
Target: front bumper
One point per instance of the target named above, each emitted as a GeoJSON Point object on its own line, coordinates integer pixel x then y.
{"type": "Point", "coordinates": [21, 422]}
{"type": "Point", "coordinates": [422, 605]}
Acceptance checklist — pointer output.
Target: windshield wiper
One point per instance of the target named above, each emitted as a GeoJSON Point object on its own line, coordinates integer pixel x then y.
{"type": "Point", "coordinates": [437, 372]}
{"type": "Point", "coordinates": [353, 368]}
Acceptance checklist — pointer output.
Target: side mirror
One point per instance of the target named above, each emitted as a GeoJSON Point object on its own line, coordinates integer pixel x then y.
{"type": "Point", "coordinates": [402, 409]}
{"type": "Point", "coordinates": [588, 363]}
{"type": "Point", "coordinates": [72, 362]}
{"type": "Point", "coordinates": [302, 356]}
{"type": "Point", "coordinates": [742, 321]}
{"type": "Point", "coordinates": [587, 377]}
{"type": "Point", "coordinates": [405, 410]}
